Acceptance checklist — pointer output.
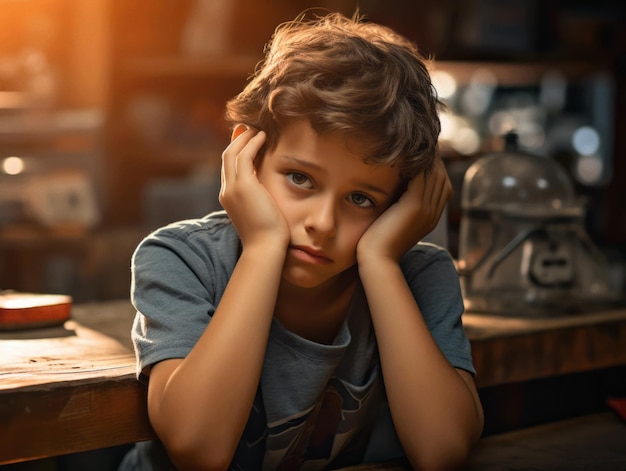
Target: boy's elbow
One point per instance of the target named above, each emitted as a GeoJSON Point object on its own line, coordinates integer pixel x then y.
{"type": "Point", "coordinates": [195, 454]}
{"type": "Point", "coordinates": [452, 454]}
{"type": "Point", "coordinates": [184, 458]}
{"type": "Point", "coordinates": [435, 461]}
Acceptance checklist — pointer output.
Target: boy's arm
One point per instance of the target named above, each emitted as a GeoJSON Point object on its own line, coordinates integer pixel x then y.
{"type": "Point", "coordinates": [199, 405]}
{"type": "Point", "coordinates": [435, 407]}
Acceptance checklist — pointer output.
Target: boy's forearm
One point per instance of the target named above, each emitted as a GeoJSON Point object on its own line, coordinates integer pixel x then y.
{"type": "Point", "coordinates": [434, 411]}
{"type": "Point", "coordinates": [207, 400]}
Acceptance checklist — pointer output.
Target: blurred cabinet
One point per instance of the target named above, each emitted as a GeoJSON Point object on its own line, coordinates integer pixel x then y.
{"type": "Point", "coordinates": [165, 110]}
{"type": "Point", "coordinates": [166, 122]}
{"type": "Point", "coordinates": [69, 260]}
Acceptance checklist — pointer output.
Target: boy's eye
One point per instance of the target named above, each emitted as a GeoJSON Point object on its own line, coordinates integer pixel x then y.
{"type": "Point", "coordinates": [361, 200]}
{"type": "Point", "coordinates": [299, 179]}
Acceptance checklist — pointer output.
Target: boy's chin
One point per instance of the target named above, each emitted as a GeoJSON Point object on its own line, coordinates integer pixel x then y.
{"type": "Point", "coordinates": [304, 280]}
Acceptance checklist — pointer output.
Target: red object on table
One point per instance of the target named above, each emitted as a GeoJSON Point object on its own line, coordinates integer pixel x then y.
{"type": "Point", "coordinates": [33, 310]}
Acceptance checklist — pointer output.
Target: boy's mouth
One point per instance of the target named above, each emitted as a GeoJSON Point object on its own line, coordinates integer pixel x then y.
{"type": "Point", "coordinates": [309, 254]}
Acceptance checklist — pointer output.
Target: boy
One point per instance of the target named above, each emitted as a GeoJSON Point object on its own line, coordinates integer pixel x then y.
{"type": "Point", "coordinates": [265, 331]}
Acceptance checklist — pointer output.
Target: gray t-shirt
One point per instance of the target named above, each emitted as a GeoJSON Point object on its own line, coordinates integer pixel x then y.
{"type": "Point", "coordinates": [316, 404]}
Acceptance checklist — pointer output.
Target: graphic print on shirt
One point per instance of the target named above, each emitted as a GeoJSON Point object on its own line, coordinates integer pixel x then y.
{"type": "Point", "coordinates": [323, 432]}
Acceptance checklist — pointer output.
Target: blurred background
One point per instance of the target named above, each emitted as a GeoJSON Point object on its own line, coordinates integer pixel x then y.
{"type": "Point", "coordinates": [111, 114]}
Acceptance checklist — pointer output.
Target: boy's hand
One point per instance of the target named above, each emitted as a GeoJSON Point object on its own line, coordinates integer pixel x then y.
{"type": "Point", "coordinates": [248, 204]}
{"type": "Point", "coordinates": [408, 220]}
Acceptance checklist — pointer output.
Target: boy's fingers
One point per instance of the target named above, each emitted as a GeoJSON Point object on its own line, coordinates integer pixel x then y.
{"type": "Point", "coordinates": [418, 186]}
{"type": "Point", "coordinates": [230, 156]}
{"type": "Point", "coordinates": [245, 158]}
{"type": "Point", "coordinates": [440, 186]}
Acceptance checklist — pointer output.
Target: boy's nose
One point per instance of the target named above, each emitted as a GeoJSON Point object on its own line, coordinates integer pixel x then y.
{"type": "Point", "coordinates": [321, 218]}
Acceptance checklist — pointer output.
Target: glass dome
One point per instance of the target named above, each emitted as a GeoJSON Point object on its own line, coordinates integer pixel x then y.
{"type": "Point", "coordinates": [518, 183]}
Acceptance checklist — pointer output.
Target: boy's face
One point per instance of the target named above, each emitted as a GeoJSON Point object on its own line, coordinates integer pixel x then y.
{"type": "Point", "coordinates": [328, 195]}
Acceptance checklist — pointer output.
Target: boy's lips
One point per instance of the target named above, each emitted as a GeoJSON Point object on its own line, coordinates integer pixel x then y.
{"type": "Point", "coordinates": [309, 254]}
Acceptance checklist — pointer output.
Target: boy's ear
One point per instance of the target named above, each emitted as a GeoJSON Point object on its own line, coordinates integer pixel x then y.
{"type": "Point", "coordinates": [238, 130]}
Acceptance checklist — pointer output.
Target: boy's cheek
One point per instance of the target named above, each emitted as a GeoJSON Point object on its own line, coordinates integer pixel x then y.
{"type": "Point", "coordinates": [366, 228]}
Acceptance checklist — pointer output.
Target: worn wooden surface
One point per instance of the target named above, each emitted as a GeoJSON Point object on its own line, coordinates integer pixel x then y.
{"type": "Point", "coordinates": [594, 442]}
{"type": "Point", "coordinates": [508, 350]}
{"type": "Point", "coordinates": [71, 417]}
{"type": "Point", "coordinates": [70, 354]}
{"type": "Point", "coordinates": [67, 390]}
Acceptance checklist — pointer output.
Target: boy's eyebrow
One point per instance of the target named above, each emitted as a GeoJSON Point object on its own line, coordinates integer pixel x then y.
{"type": "Point", "coordinates": [306, 163]}
{"type": "Point", "coordinates": [374, 188]}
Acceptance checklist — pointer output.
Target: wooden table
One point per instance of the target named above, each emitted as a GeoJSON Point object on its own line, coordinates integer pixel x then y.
{"type": "Point", "coordinates": [508, 350]}
{"type": "Point", "coordinates": [73, 389]}
{"type": "Point", "coordinates": [69, 389]}
{"type": "Point", "coordinates": [591, 442]}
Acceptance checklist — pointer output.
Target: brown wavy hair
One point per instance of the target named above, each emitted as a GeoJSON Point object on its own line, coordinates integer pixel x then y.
{"type": "Point", "coordinates": [346, 76]}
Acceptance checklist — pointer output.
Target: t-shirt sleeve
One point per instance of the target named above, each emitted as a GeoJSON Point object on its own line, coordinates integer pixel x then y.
{"type": "Point", "coordinates": [171, 292]}
{"type": "Point", "coordinates": [434, 281]}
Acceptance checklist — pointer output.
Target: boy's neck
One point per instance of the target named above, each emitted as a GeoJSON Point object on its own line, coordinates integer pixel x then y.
{"type": "Point", "coordinates": [318, 313]}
